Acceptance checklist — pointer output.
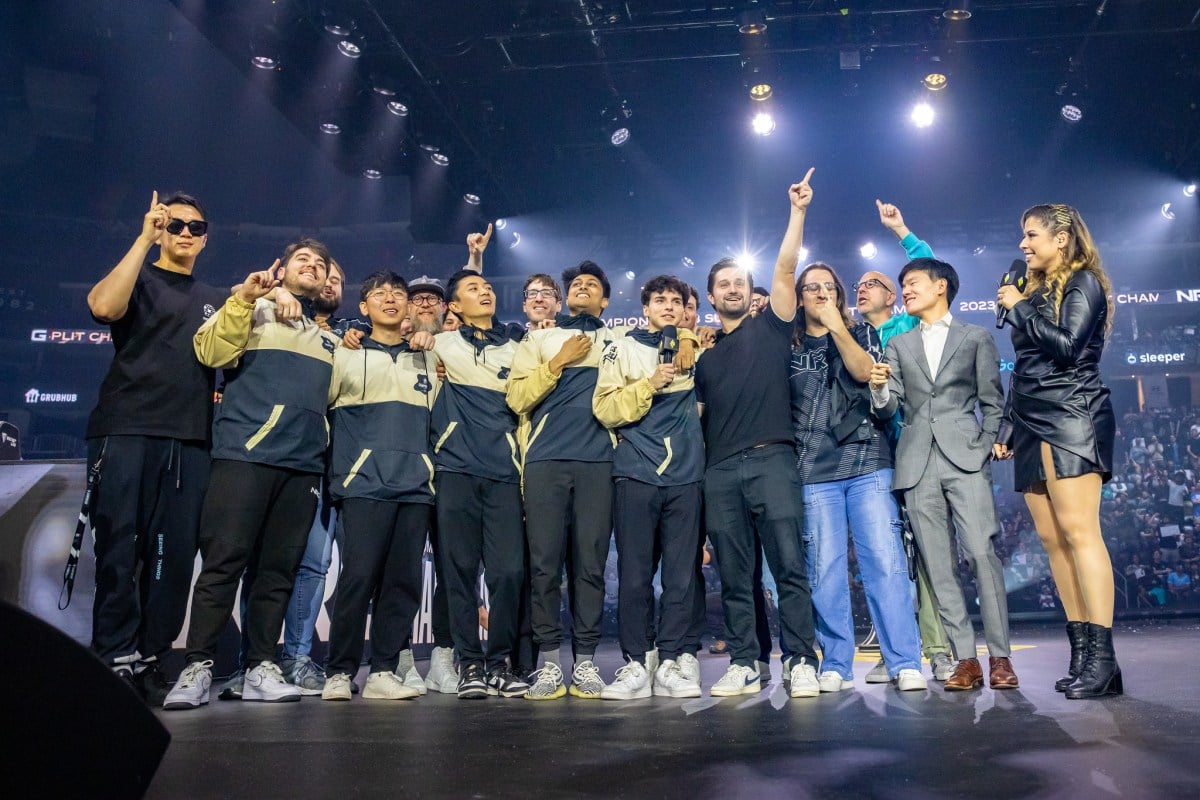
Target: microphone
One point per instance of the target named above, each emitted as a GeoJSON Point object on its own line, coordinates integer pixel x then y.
{"type": "Point", "coordinates": [1014, 277]}
{"type": "Point", "coordinates": [670, 344]}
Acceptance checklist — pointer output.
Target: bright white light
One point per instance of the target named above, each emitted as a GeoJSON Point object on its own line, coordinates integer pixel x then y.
{"type": "Point", "coordinates": [397, 108]}
{"type": "Point", "coordinates": [501, 224]}
{"type": "Point", "coordinates": [471, 199]}
{"type": "Point", "coordinates": [384, 91]}
{"type": "Point", "coordinates": [868, 251]}
{"type": "Point", "coordinates": [1166, 212]}
{"type": "Point", "coordinates": [263, 62]}
{"type": "Point", "coordinates": [978, 251]}
{"type": "Point", "coordinates": [922, 115]}
{"type": "Point", "coordinates": [745, 260]}
{"type": "Point", "coordinates": [429, 148]}
{"type": "Point", "coordinates": [332, 128]}
{"type": "Point", "coordinates": [763, 124]}
{"type": "Point", "coordinates": [687, 262]}
{"type": "Point", "coordinates": [349, 49]}
{"type": "Point", "coordinates": [372, 174]}
{"type": "Point", "coordinates": [619, 137]}
{"type": "Point", "coordinates": [802, 254]}
{"type": "Point", "coordinates": [1071, 113]}
{"type": "Point", "coordinates": [516, 240]}
{"type": "Point", "coordinates": [1189, 190]}
{"type": "Point", "coordinates": [441, 159]}
{"type": "Point", "coordinates": [630, 274]}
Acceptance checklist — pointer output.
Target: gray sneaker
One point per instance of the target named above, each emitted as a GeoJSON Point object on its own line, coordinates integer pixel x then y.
{"type": "Point", "coordinates": [879, 673]}
{"type": "Point", "coordinates": [232, 690]}
{"type": "Point", "coordinates": [942, 666]}
{"type": "Point", "coordinates": [406, 671]}
{"type": "Point", "coordinates": [191, 690]}
{"type": "Point", "coordinates": [305, 675]}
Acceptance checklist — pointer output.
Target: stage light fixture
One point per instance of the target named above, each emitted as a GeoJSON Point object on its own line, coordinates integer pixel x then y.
{"type": "Point", "coordinates": [372, 174]}
{"type": "Point", "coordinates": [1189, 190]}
{"type": "Point", "coordinates": [630, 275]}
{"type": "Point", "coordinates": [752, 22]}
{"type": "Point", "coordinates": [957, 10]}
{"type": "Point", "coordinates": [430, 148]}
{"type": "Point", "coordinates": [922, 115]}
{"type": "Point", "coordinates": [349, 48]}
{"type": "Point", "coordinates": [471, 199]}
{"type": "Point", "coordinates": [763, 123]}
{"type": "Point", "coordinates": [619, 136]}
{"type": "Point", "coordinates": [331, 128]}
{"type": "Point", "coordinates": [516, 241]}
{"type": "Point", "coordinates": [1071, 113]}
{"type": "Point", "coordinates": [441, 159]}
{"type": "Point", "coordinates": [1167, 213]}
{"type": "Point", "coordinates": [264, 61]}
{"type": "Point", "coordinates": [383, 91]}
{"type": "Point", "coordinates": [935, 81]}
{"type": "Point", "coordinates": [337, 23]}
{"type": "Point", "coordinates": [397, 108]}
{"type": "Point", "coordinates": [761, 91]}
{"type": "Point", "coordinates": [501, 224]}
{"type": "Point", "coordinates": [978, 251]}
{"type": "Point", "coordinates": [687, 262]}
{"type": "Point", "coordinates": [868, 251]}
{"type": "Point", "coordinates": [616, 122]}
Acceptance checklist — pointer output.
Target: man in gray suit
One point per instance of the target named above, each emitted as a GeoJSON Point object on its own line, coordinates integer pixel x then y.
{"type": "Point", "coordinates": [938, 373]}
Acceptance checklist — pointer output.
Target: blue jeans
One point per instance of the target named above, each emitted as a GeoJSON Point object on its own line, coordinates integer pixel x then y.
{"type": "Point", "coordinates": [867, 506]}
{"type": "Point", "coordinates": [308, 592]}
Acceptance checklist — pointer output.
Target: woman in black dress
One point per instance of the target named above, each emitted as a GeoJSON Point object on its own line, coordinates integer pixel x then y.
{"type": "Point", "coordinates": [1063, 428]}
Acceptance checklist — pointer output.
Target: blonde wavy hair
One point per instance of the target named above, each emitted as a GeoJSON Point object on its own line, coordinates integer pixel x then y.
{"type": "Point", "coordinates": [1079, 254]}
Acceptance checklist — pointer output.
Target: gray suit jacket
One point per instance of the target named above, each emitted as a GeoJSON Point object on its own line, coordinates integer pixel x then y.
{"type": "Point", "coordinates": [943, 410]}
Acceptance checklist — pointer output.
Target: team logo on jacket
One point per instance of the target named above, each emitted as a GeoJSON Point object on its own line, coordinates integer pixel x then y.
{"type": "Point", "coordinates": [423, 385]}
{"type": "Point", "coordinates": [502, 374]}
{"type": "Point", "coordinates": [328, 344]}
{"type": "Point", "coordinates": [208, 310]}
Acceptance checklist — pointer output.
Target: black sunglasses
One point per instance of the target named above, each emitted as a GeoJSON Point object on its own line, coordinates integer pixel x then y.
{"type": "Point", "coordinates": [198, 227]}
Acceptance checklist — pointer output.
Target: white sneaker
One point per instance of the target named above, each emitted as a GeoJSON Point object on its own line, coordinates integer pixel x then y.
{"type": "Point", "coordinates": [879, 673]}
{"type": "Point", "coordinates": [911, 680]}
{"type": "Point", "coordinates": [652, 661]}
{"type": "Point", "coordinates": [942, 667]}
{"type": "Point", "coordinates": [632, 683]}
{"type": "Point", "coordinates": [586, 681]}
{"type": "Point", "coordinates": [442, 677]}
{"type": "Point", "coordinates": [191, 690]}
{"type": "Point", "coordinates": [406, 670]}
{"type": "Point", "coordinates": [831, 681]}
{"type": "Point", "coordinates": [689, 665]}
{"type": "Point", "coordinates": [670, 681]}
{"type": "Point", "coordinates": [337, 687]}
{"type": "Point", "coordinates": [266, 684]}
{"type": "Point", "coordinates": [549, 683]}
{"type": "Point", "coordinates": [387, 686]}
{"type": "Point", "coordinates": [737, 680]}
{"type": "Point", "coordinates": [801, 679]}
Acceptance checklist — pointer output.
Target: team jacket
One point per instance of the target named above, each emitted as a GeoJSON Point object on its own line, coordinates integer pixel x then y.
{"type": "Point", "coordinates": [273, 408]}
{"type": "Point", "coordinates": [561, 424]}
{"type": "Point", "coordinates": [660, 440]}
{"type": "Point", "coordinates": [474, 432]}
{"type": "Point", "coordinates": [380, 401]}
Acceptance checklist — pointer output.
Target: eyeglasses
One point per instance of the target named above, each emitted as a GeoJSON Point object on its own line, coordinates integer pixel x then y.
{"type": "Point", "coordinates": [198, 227]}
{"type": "Point", "coordinates": [871, 283]}
{"type": "Point", "coordinates": [813, 288]}
{"type": "Point", "coordinates": [379, 294]}
{"type": "Point", "coordinates": [533, 294]}
{"type": "Point", "coordinates": [425, 300]}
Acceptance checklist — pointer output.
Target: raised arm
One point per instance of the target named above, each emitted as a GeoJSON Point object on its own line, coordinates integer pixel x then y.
{"type": "Point", "coordinates": [109, 299]}
{"type": "Point", "coordinates": [476, 244]}
{"type": "Point", "coordinates": [783, 283]}
{"type": "Point", "coordinates": [223, 337]}
{"type": "Point", "coordinates": [893, 220]}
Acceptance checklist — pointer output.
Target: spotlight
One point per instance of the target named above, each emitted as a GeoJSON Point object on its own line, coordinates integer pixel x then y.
{"type": "Point", "coordinates": [957, 10]}
{"type": "Point", "coordinates": [397, 108]}
{"type": "Point", "coordinates": [630, 275]}
{"type": "Point", "coordinates": [935, 81]}
{"type": "Point", "coordinates": [1071, 113]}
{"type": "Point", "coordinates": [802, 254]}
{"type": "Point", "coordinates": [471, 199]}
{"type": "Point", "coordinates": [760, 91]}
{"type": "Point", "coordinates": [616, 122]}
{"type": "Point", "coordinates": [441, 159]}
{"type": "Point", "coordinates": [922, 115]}
{"type": "Point", "coordinates": [619, 136]}
{"type": "Point", "coordinates": [337, 24]}
{"type": "Point", "coordinates": [687, 262]}
{"type": "Point", "coordinates": [430, 148]}
{"type": "Point", "coordinates": [745, 260]}
{"type": "Point", "coordinates": [264, 61]}
{"type": "Point", "coordinates": [383, 91]}
{"type": "Point", "coordinates": [1189, 190]}
{"type": "Point", "coordinates": [752, 22]}
{"type": "Point", "coordinates": [978, 251]}
{"type": "Point", "coordinates": [265, 49]}
{"type": "Point", "coordinates": [516, 241]}
{"type": "Point", "coordinates": [349, 49]}
{"type": "Point", "coordinates": [868, 251]}
{"type": "Point", "coordinates": [372, 174]}
{"type": "Point", "coordinates": [763, 123]}
{"type": "Point", "coordinates": [1166, 212]}
{"type": "Point", "coordinates": [501, 224]}
{"type": "Point", "coordinates": [332, 128]}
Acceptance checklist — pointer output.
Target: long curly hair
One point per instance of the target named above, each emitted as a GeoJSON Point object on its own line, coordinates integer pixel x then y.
{"type": "Point", "coordinates": [1079, 254]}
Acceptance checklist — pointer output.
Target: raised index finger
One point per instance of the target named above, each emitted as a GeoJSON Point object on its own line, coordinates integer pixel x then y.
{"type": "Point", "coordinates": [809, 174]}
{"type": "Point", "coordinates": [154, 200]}
{"type": "Point", "coordinates": [487, 237]}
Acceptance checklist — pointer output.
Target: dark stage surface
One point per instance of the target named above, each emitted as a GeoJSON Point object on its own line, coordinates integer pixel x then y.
{"type": "Point", "coordinates": [870, 742]}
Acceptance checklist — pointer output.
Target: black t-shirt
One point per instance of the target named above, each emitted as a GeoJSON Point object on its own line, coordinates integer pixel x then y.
{"type": "Point", "coordinates": [155, 386]}
{"type": "Point", "coordinates": [743, 383]}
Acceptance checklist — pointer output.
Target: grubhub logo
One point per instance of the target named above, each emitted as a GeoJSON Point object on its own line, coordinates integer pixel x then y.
{"type": "Point", "coordinates": [34, 396]}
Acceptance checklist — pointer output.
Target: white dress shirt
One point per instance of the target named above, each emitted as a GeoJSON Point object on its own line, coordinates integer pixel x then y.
{"type": "Point", "coordinates": [933, 336]}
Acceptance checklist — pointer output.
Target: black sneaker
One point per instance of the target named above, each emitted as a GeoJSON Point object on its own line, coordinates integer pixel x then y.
{"type": "Point", "coordinates": [505, 683]}
{"type": "Point", "coordinates": [472, 684]}
{"type": "Point", "coordinates": [152, 685]}
{"type": "Point", "coordinates": [125, 675]}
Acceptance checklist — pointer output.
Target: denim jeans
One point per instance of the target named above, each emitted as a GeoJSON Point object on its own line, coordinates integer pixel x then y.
{"type": "Point", "coordinates": [866, 505]}
{"type": "Point", "coordinates": [308, 593]}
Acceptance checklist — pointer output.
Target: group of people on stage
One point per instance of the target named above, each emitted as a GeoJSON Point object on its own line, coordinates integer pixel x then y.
{"type": "Point", "coordinates": [519, 449]}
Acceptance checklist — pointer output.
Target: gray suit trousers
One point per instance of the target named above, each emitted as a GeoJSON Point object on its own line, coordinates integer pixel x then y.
{"type": "Point", "coordinates": [946, 493]}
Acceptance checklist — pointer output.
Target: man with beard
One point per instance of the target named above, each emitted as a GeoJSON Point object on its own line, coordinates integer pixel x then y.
{"type": "Point", "coordinates": [269, 441]}
{"type": "Point", "coordinates": [751, 486]}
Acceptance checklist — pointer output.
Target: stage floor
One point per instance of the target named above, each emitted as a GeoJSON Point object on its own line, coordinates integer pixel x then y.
{"type": "Point", "coordinates": [870, 742]}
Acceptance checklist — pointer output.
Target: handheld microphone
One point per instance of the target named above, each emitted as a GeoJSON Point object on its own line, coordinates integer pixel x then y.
{"type": "Point", "coordinates": [1014, 277]}
{"type": "Point", "coordinates": [670, 344]}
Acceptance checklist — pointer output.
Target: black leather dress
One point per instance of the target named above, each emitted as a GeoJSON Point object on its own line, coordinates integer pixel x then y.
{"type": "Point", "coordinates": [1056, 395]}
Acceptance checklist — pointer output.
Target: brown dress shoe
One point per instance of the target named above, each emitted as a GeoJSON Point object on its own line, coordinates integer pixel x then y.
{"type": "Point", "coordinates": [967, 675]}
{"type": "Point", "coordinates": [1001, 675]}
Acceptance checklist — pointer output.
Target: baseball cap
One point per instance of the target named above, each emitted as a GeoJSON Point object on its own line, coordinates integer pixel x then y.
{"type": "Point", "coordinates": [427, 284]}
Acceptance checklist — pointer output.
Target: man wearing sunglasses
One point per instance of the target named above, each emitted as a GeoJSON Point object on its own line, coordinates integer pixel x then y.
{"type": "Point", "coordinates": [148, 436]}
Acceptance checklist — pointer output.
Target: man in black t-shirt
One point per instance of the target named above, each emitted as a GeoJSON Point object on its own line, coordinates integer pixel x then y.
{"type": "Point", "coordinates": [750, 484]}
{"type": "Point", "coordinates": [149, 433]}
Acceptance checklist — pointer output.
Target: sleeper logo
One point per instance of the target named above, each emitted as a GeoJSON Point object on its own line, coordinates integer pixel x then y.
{"type": "Point", "coordinates": [1154, 358]}
{"type": "Point", "coordinates": [34, 396]}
